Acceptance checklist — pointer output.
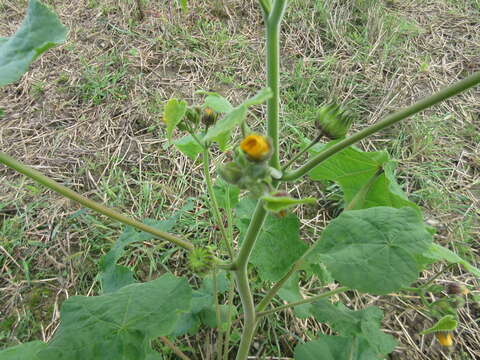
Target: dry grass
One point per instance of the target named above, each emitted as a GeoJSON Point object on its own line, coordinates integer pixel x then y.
{"type": "Point", "coordinates": [87, 115]}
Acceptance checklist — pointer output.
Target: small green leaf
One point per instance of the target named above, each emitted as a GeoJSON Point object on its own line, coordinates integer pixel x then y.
{"type": "Point", "coordinates": [39, 31]}
{"type": "Point", "coordinates": [278, 203]}
{"type": "Point", "coordinates": [278, 245]}
{"type": "Point", "coordinates": [220, 132]}
{"type": "Point", "coordinates": [173, 114]}
{"type": "Point", "coordinates": [218, 103]}
{"type": "Point", "coordinates": [437, 252]}
{"type": "Point", "coordinates": [373, 250]}
{"type": "Point", "coordinates": [188, 146]}
{"type": "Point", "coordinates": [27, 350]}
{"type": "Point", "coordinates": [226, 124]}
{"type": "Point", "coordinates": [446, 323]}
{"type": "Point", "coordinates": [262, 96]}
{"type": "Point", "coordinates": [221, 189]}
{"type": "Point", "coordinates": [119, 325]}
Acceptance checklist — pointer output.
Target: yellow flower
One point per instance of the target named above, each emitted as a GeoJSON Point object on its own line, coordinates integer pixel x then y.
{"type": "Point", "coordinates": [256, 146]}
{"type": "Point", "coordinates": [444, 338]}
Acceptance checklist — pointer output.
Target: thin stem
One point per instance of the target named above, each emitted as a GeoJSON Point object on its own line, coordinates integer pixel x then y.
{"type": "Point", "coordinates": [273, 22]}
{"type": "Point", "coordinates": [304, 301]}
{"type": "Point", "coordinates": [218, 316]}
{"type": "Point", "coordinates": [226, 343]}
{"type": "Point", "coordinates": [243, 285]}
{"type": "Point", "coordinates": [174, 348]}
{"type": "Point", "coordinates": [303, 151]}
{"type": "Point", "coordinates": [397, 116]}
{"type": "Point", "coordinates": [266, 6]}
{"type": "Point", "coordinates": [436, 275]}
{"type": "Point", "coordinates": [278, 285]}
{"type": "Point", "coordinates": [97, 207]}
{"type": "Point", "coordinates": [359, 197]}
{"type": "Point", "coordinates": [214, 202]}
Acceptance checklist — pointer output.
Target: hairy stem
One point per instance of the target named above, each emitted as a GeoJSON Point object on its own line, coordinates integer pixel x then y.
{"type": "Point", "coordinates": [214, 202]}
{"type": "Point", "coordinates": [241, 277]}
{"type": "Point", "coordinates": [266, 6]}
{"type": "Point", "coordinates": [304, 301]}
{"type": "Point", "coordinates": [359, 198]}
{"type": "Point", "coordinates": [450, 91]}
{"type": "Point", "coordinates": [97, 207]}
{"type": "Point", "coordinates": [273, 21]}
{"type": "Point", "coordinates": [231, 294]}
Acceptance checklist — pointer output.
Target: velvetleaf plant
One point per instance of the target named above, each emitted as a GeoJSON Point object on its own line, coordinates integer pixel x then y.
{"type": "Point", "coordinates": [377, 245]}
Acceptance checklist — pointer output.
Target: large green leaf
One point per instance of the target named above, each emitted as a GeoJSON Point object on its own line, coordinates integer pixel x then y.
{"type": "Point", "coordinates": [363, 323]}
{"type": "Point", "coordinates": [353, 170]}
{"type": "Point", "coordinates": [202, 305]}
{"type": "Point", "coordinates": [278, 245]}
{"type": "Point", "coordinates": [326, 348]}
{"type": "Point", "coordinates": [437, 252]}
{"type": "Point", "coordinates": [119, 326]}
{"type": "Point", "coordinates": [113, 276]}
{"type": "Point", "coordinates": [336, 348]}
{"type": "Point", "coordinates": [39, 31]}
{"type": "Point", "coordinates": [28, 351]}
{"type": "Point", "coordinates": [373, 250]}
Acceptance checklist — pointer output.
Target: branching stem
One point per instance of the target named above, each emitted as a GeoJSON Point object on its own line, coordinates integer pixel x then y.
{"type": "Point", "coordinates": [397, 116]}
{"type": "Point", "coordinates": [304, 301]}
{"type": "Point", "coordinates": [97, 207]}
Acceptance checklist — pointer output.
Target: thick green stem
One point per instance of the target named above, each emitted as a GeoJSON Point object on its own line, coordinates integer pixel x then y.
{"type": "Point", "coordinates": [273, 21]}
{"type": "Point", "coordinates": [99, 208]}
{"type": "Point", "coordinates": [304, 301]}
{"type": "Point", "coordinates": [455, 89]}
{"type": "Point", "coordinates": [214, 202]}
{"type": "Point", "coordinates": [241, 277]}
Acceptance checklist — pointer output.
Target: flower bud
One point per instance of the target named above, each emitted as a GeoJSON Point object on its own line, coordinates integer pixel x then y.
{"type": "Point", "coordinates": [201, 260]}
{"type": "Point", "coordinates": [333, 122]}
{"type": "Point", "coordinates": [257, 147]}
{"type": "Point", "coordinates": [193, 114]}
{"type": "Point", "coordinates": [445, 338]}
{"type": "Point", "coordinates": [209, 117]}
{"type": "Point", "coordinates": [230, 172]}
